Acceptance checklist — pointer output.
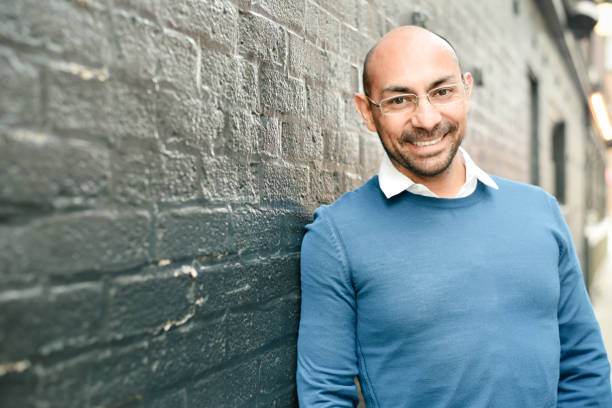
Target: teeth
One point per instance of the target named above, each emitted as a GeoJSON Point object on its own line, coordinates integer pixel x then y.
{"type": "Point", "coordinates": [431, 142]}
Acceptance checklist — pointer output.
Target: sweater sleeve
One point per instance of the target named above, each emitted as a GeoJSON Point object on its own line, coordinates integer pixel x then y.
{"type": "Point", "coordinates": [327, 359]}
{"type": "Point", "coordinates": [584, 374]}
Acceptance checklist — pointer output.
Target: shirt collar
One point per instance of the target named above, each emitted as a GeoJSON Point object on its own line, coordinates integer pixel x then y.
{"type": "Point", "coordinates": [392, 182]}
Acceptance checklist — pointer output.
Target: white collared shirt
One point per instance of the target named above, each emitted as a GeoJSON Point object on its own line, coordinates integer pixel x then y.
{"type": "Point", "coordinates": [393, 182]}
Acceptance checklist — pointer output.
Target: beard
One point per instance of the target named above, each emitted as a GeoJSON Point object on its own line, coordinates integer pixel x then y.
{"type": "Point", "coordinates": [437, 163]}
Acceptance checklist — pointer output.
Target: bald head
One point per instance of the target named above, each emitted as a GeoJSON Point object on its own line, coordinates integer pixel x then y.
{"type": "Point", "coordinates": [401, 40]}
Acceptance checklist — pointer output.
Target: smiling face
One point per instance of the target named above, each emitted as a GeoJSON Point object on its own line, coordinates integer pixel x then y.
{"type": "Point", "coordinates": [421, 144]}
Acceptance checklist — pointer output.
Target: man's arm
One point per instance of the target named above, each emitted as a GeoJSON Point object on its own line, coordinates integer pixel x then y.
{"type": "Point", "coordinates": [327, 359]}
{"type": "Point", "coordinates": [584, 377]}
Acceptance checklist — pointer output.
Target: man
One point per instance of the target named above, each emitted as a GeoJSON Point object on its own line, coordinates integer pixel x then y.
{"type": "Point", "coordinates": [434, 283]}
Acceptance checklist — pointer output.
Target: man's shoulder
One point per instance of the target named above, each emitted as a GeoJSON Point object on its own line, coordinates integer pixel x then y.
{"type": "Point", "coordinates": [519, 189]}
{"type": "Point", "coordinates": [515, 197]}
{"type": "Point", "coordinates": [353, 202]}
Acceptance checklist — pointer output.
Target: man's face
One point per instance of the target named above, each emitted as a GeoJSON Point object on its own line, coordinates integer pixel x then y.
{"type": "Point", "coordinates": [423, 143]}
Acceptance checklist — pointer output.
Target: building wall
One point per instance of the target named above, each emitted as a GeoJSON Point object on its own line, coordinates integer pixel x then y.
{"type": "Point", "coordinates": [159, 160]}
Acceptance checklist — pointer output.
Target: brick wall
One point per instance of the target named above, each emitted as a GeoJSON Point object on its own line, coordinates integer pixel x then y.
{"type": "Point", "coordinates": [158, 161]}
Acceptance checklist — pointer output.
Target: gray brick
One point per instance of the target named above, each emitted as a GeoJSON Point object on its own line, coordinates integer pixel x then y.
{"type": "Point", "coordinates": [305, 59]}
{"type": "Point", "coordinates": [131, 169]}
{"type": "Point", "coordinates": [293, 227]}
{"type": "Point", "coordinates": [315, 64]}
{"type": "Point", "coordinates": [281, 93]}
{"type": "Point", "coordinates": [67, 244]}
{"type": "Point", "coordinates": [21, 93]}
{"type": "Point", "coordinates": [243, 5]}
{"type": "Point", "coordinates": [138, 45]}
{"type": "Point", "coordinates": [288, 13]}
{"type": "Point", "coordinates": [173, 399]}
{"type": "Point", "coordinates": [232, 79]}
{"type": "Point", "coordinates": [351, 181]}
{"type": "Point", "coordinates": [302, 141]}
{"type": "Point", "coordinates": [248, 85]}
{"type": "Point", "coordinates": [262, 39]}
{"type": "Point", "coordinates": [250, 330]}
{"type": "Point", "coordinates": [175, 177]}
{"type": "Point", "coordinates": [347, 148]}
{"type": "Point", "coordinates": [345, 10]}
{"type": "Point", "coordinates": [216, 20]}
{"type": "Point", "coordinates": [120, 376]}
{"type": "Point", "coordinates": [14, 259]}
{"type": "Point", "coordinates": [270, 137]}
{"type": "Point", "coordinates": [285, 398]}
{"type": "Point", "coordinates": [192, 232]}
{"type": "Point", "coordinates": [219, 73]}
{"type": "Point", "coordinates": [182, 354]}
{"type": "Point", "coordinates": [131, 401]}
{"type": "Point", "coordinates": [344, 75]}
{"type": "Point", "coordinates": [40, 170]}
{"type": "Point", "coordinates": [65, 383]}
{"type": "Point", "coordinates": [370, 152]}
{"type": "Point", "coordinates": [282, 183]}
{"type": "Point", "coordinates": [150, 53]}
{"type": "Point", "coordinates": [325, 186]}
{"type": "Point", "coordinates": [141, 7]}
{"type": "Point", "coordinates": [229, 179]}
{"type": "Point", "coordinates": [256, 230]}
{"type": "Point", "coordinates": [232, 387]}
{"type": "Point", "coordinates": [147, 302]}
{"type": "Point", "coordinates": [80, 106]}
{"type": "Point", "coordinates": [350, 117]}
{"type": "Point", "coordinates": [277, 370]}
{"type": "Point", "coordinates": [354, 45]}
{"type": "Point", "coordinates": [240, 135]}
{"type": "Point", "coordinates": [44, 25]}
{"type": "Point", "coordinates": [16, 390]}
{"type": "Point", "coordinates": [178, 60]}
{"type": "Point", "coordinates": [239, 284]}
{"type": "Point", "coordinates": [35, 328]}
{"type": "Point", "coordinates": [11, 16]}
{"type": "Point", "coordinates": [134, 111]}
{"type": "Point", "coordinates": [322, 27]}
{"type": "Point", "coordinates": [187, 122]}
{"type": "Point", "coordinates": [369, 21]}
{"type": "Point", "coordinates": [323, 105]}
{"type": "Point", "coordinates": [343, 147]}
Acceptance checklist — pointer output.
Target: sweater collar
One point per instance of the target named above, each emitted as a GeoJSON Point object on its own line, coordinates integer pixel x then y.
{"type": "Point", "coordinates": [392, 182]}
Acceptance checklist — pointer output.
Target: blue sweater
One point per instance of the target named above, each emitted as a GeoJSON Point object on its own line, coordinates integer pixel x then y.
{"type": "Point", "coordinates": [471, 303]}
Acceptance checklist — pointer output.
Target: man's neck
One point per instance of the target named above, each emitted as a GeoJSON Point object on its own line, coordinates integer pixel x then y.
{"type": "Point", "coordinates": [446, 184]}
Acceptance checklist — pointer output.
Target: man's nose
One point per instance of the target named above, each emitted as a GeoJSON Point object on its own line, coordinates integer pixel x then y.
{"type": "Point", "coordinates": [426, 116]}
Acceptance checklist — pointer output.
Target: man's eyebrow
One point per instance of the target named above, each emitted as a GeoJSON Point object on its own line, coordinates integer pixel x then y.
{"type": "Point", "coordinates": [440, 81]}
{"type": "Point", "coordinates": [404, 89]}
{"type": "Point", "coordinates": [398, 88]}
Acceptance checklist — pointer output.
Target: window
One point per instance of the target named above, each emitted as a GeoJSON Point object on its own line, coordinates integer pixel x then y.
{"type": "Point", "coordinates": [558, 151]}
{"type": "Point", "coordinates": [535, 138]}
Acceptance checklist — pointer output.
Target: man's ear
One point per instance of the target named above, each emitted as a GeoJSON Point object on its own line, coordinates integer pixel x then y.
{"type": "Point", "coordinates": [468, 80]}
{"type": "Point", "coordinates": [362, 104]}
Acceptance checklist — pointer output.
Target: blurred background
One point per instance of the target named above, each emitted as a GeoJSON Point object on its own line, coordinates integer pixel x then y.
{"type": "Point", "coordinates": [159, 160]}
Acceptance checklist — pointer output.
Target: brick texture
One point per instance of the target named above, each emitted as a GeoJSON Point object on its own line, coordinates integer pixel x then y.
{"type": "Point", "coordinates": [158, 163]}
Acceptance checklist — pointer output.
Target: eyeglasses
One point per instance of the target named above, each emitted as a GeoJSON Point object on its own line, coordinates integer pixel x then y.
{"type": "Point", "coordinates": [407, 103]}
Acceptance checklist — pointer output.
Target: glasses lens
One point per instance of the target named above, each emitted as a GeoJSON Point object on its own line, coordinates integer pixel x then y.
{"type": "Point", "coordinates": [446, 94]}
{"type": "Point", "coordinates": [399, 103]}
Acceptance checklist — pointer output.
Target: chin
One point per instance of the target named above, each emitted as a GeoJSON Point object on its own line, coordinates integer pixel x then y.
{"type": "Point", "coordinates": [429, 167]}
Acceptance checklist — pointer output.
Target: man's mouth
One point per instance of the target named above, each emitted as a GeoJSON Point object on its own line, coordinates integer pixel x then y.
{"type": "Point", "coordinates": [421, 139]}
{"type": "Point", "coordinates": [429, 142]}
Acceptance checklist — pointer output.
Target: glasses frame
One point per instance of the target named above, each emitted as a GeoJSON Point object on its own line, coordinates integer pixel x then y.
{"type": "Point", "coordinates": [379, 104]}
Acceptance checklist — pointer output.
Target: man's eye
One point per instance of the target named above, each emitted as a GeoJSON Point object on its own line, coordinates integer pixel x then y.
{"type": "Point", "coordinates": [443, 92]}
{"type": "Point", "coordinates": [399, 100]}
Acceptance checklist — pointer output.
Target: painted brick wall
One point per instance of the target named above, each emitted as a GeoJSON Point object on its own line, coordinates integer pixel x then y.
{"type": "Point", "coordinates": [159, 159]}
